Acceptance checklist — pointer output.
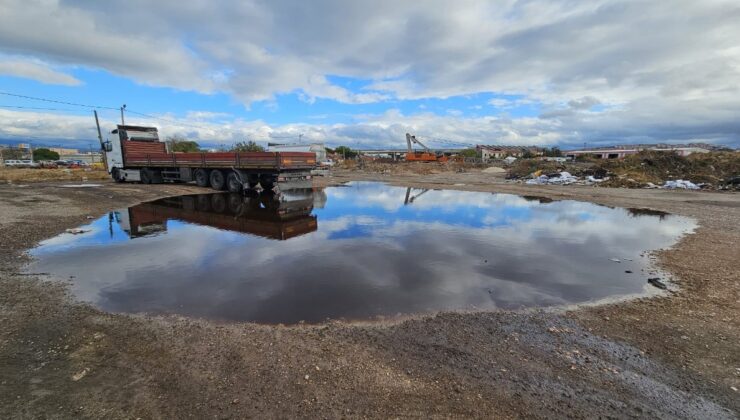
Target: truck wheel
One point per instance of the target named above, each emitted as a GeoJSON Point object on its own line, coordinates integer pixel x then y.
{"type": "Point", "coordinates": [233, 184]}
{"type": "Point", "coordinates": [201, 178]}
{"type": "Point", "coordinates": [203, 202]}
{"type": "Point", "coordinates": [146, 177]}
{"type": "Point", "coordinates": [218, 181]}
{"type": "Point", "coordinates": [218, 203]}
{"type": "Point", "coordinates": [116, 175]}
{"type": "Point", "coordinates": [235, 203]}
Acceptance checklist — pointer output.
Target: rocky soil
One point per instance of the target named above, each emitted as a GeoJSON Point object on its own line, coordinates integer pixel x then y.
{"type": "Point", "coordinates": [675, 356]}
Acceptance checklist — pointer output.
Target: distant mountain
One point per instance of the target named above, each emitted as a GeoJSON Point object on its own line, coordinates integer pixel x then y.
{"type": "Point", "coordinates": [66, 143]}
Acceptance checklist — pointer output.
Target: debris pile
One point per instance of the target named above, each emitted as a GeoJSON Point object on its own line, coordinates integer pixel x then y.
{"type": "Point", "coordinates": [646, 169]}
{"type": "Point", "coordinates": [561, 178]}
{"type": "Point", "coordinates": [682, 184]}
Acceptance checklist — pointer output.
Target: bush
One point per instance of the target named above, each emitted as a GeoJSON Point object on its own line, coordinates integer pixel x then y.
{"type": "Point", "coordinates": [181, 144]}
{"type": "Point", "coordinates": [45, 154]}
{"type": "Point", "coordinates": [247, 146]}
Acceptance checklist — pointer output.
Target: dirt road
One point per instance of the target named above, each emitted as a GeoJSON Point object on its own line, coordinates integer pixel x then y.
{"type": "Point", "coordinates": [675, 356]}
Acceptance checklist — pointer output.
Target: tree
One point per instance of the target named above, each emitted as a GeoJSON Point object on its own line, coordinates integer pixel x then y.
{"type": "Point", "coordinates": [469, 152]}
{"type": "Point", "coordinates": [247, 146]}
{"type": "Point", "coordinates": [527, 154]}
{"type": "Point", "coordinates": [45, 154]}
{"type": "Point", "coordinates": [553, 152]}
{"type": "Point", "coordinates": [181, 144]}
{"type": "Point", "coordinates": [345, 152]}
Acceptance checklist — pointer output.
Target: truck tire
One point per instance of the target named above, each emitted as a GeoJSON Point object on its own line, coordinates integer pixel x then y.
{"type": "Point", "coordinates": [233, 184]}
{"type": "Point", "coordinates": [116, 175]}
{"type": "Point", "coordinates": [201, 178]}
{"type": "Point", "coordinates": [218, 180]}
{"type": "Point", "coordinates": [203, 202]}
{"type": "Point", "coordinates": [218, 203]}
{"type": "Point", "coordinates": [235, 203]}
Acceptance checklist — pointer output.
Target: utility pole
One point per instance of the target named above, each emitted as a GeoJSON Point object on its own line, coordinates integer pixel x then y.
{"type": "Point", "coordinates": [122, 109]}
{"type": "Point", "coordinates": [100, 138]}
{"type": "Point", "coordinates": [300, 138]}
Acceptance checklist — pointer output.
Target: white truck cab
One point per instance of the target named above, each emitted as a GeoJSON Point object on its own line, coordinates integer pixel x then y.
{"type": "Point", "coordinates": [114, 150]}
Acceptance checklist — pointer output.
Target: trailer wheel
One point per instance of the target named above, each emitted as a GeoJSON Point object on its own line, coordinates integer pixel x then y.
{"type": "Point", "coordinates": [235, 203]}
{"type": "Point", "coordinates": [203, 202]}
{"type": "Point", "coordinates": [201, 178]}
{"type": "Point", "coordinates": [218, 181]}
{"type": "Point", "coordinates": [218, 203]}
{"type": "Point", "coordinates": [233, 184]}
{"type": "Point", "coordinates": [146, 177]}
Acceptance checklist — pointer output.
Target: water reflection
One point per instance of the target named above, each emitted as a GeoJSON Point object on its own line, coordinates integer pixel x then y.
{"type": "Point", "coordinates": [258, 214]}
{"type": "Point", "coordinates": [356, 252]}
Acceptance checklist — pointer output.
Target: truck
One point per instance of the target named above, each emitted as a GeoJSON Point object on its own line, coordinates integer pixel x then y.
{"type": "Point", "coordinates": [136, 154]}
{"type": "Point", "coordinates": [258, 214]}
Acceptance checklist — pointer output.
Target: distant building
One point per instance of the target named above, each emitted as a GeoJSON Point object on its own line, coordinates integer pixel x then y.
{"type": "Point", "coordinates": [619, 153]}
{"type": "Point", "coordinates": [64, 152]}
{"type": "Point", "coordinates": [500, 152]}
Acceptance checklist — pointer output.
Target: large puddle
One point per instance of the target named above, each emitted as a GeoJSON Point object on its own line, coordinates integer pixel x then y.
{"type": "Point", "coordinates": [360, 251]}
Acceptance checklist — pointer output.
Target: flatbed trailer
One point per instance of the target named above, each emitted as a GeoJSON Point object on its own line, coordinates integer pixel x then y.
{"type": "Point", "coordinates": [259, 215]}
{"type": "Point", "coordinates": [135, 154]}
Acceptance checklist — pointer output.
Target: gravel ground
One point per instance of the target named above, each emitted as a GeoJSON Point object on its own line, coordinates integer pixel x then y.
{"type": "Point", "coordinates": [668, 357]}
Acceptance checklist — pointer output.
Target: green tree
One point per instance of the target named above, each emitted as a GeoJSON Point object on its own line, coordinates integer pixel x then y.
{"type": "Point", "coordinates": [181, 144]}
{"type": "Point", "coordinates": [469, 152]}
{"type": "Point", "coordinates": [345, 152]}
{"type": "Point", "coordinates": [527, 154]}
{"type": "Point", "coordinates": [247, 146]}
{"type": "Point", "coordinates": [45, 154]}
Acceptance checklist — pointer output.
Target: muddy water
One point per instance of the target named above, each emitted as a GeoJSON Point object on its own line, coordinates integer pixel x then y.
{"type": "Point", "coordinates": [360, 251]}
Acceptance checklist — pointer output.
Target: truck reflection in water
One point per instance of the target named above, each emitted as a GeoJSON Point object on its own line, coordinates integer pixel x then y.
{"type": "Point", "coordinates": [261, 214]}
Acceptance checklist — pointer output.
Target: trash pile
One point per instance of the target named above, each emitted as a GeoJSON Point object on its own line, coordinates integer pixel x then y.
{"type": "Point", "coordinates": [562, 178]}
{"type": "Point", "coordinates": [682, 184]}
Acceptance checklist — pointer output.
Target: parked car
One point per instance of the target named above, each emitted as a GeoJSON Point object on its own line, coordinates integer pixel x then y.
{"type": "Point", "coordinates": [21, 163]}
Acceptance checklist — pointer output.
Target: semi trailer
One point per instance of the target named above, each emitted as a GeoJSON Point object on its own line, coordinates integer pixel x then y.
{"type": "Point", "coordinates": [259, 214]}
{"type": "Point", "coordinates": [136, 154]}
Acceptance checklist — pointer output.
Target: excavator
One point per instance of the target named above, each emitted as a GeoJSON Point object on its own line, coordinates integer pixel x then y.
{"type": "Point", "coordinates": [426, 156]}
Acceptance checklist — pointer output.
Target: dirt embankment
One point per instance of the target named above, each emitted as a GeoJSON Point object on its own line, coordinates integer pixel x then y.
{"type": "Point", "coordinates": [674, 356]}
{"type": "Point", "coordinates": [25, 175]}
{"type": "Point", "coordinates": [715, 169]}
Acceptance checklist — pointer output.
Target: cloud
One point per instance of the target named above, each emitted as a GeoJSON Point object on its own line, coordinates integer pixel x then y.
{"type": "Point", "coordinates": [662, 70]}
{"type": "Point", "coordinates": [36, 70]}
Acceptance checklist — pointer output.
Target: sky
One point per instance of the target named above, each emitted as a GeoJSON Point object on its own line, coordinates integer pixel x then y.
{"type": "Point", "coordinates": [363, 73]}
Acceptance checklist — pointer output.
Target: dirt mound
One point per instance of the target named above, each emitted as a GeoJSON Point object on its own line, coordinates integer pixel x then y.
{"type": "Point", "coordinates": [20, 175]}
{"type": "Point", "coordinates": [713, 168]}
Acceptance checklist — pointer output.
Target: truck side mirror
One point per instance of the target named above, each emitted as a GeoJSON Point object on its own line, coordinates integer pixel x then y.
{"type": "Point", "coordinates": [107, 146]}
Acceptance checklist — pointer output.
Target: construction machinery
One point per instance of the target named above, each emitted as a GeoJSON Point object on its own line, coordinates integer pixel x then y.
{"type": "Point", "coordinates": [426, 156]}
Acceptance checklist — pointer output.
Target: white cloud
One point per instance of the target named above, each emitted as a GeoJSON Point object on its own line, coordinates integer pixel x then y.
{"type": "Point", "coordinates": [36, 70]}
{"type": "Point", "coordinates": [662, 70]}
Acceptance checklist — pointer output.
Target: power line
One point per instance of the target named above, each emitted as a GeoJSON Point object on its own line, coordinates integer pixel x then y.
{"type": "Point", "coordinates": [39, 108]}
{"type": "Point", "coordinates": [56, 101]}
